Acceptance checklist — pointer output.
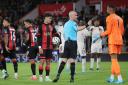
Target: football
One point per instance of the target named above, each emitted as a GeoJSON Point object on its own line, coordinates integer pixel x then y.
{"type": "Point", "coordinates": [55, 40]}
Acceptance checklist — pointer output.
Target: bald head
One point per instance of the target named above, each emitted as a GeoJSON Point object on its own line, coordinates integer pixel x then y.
{"type": "Point", "coordinates": [73, 15]}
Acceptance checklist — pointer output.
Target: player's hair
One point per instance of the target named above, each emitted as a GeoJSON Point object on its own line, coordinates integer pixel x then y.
{"type": "Point", "coordinates": [47, 15]}
{"type": "Point", "coordinates": [95, 18]}
{"type": "Point", "coordinates": [7, 19]}
{"type": "Point", "coordinates": [112, 6]}
{"type": "Point", "coordinates": [29, 21]}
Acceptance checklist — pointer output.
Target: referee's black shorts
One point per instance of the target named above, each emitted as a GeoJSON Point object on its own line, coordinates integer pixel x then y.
{"type": "Point", "coordinates": [70, 49]}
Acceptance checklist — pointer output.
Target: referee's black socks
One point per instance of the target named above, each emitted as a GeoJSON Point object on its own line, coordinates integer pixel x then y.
{"type": "Point", "coordinates": [61, 67]}
{"type": "Point", "coordinates": [72, 68]}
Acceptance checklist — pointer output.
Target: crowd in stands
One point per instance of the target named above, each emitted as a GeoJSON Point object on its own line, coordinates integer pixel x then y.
{"type": "Point", "coordinates": [16, 9]}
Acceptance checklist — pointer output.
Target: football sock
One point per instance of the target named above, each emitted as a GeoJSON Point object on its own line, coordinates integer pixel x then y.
{"type": "Point", "coordinates": [112, 77]}
{"type": "Point", "coordinates": [61, 67]}
{"type": "Point", "coordinates": [47, 69]}
{"type": "Point", "coordinates": [97, 62]}
{"type": "Point", "coordinates": [33, 68]}
{"type": "Point", "coordinates": [115, 67]}
{"type": "Point", "coordinates": [92, 63]}
{"type": "Point", "coordinates": [72, 67]}
{"type": "Point", "coordinates": [83, 64]}
{"type": "Point", "coordinates": [40, 69]}
{"type": "Point", "coordinates": [15, 64]}
{"type": "Point", "coordinates": [119, 77]}
{"type": "Point", "coordinates": [3, 62]}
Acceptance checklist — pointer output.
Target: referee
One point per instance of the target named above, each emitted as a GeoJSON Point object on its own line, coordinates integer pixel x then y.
{"type": "Point", "coordinates": [70, 47]}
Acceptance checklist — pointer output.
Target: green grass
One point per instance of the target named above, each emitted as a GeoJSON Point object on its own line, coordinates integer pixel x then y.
{"type": "Point", "coordinates": [88, 78]}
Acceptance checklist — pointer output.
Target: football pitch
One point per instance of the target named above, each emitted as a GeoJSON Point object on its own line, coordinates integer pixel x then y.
{"type": "Point", "coordinates": [88, 78]}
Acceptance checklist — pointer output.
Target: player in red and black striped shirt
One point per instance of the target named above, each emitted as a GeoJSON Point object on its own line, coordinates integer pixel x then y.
{"type": "Point", "coordinates": [2, 59]}
{"type": "Point", "coordinates": [31, 39]}
{"type": "Point", "coordinates": [10, 44]}
{"type": "Point", "coordinates": [46, 33]}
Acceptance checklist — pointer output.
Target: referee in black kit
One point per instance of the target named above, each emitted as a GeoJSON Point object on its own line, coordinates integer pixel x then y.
{"type": "Point", "coordinates": [70, 47]}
